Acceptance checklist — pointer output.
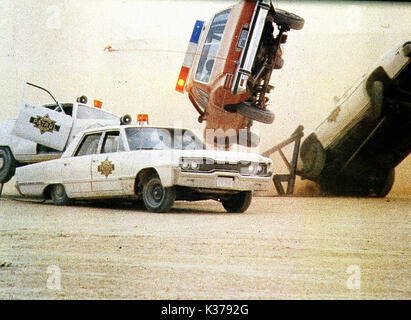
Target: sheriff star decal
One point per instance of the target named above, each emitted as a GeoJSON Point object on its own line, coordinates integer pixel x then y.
{"type": "Point", "coordinates": [44, 124]}
{"type": "Point", "coordinates": [106, 167]}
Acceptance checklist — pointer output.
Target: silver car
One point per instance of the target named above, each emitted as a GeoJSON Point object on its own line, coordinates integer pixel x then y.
{"type": "Point", "coordinates": [356, 148]}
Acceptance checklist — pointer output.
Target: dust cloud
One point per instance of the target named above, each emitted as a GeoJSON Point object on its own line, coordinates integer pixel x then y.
{"type": "Point", "coordinates": [60, 45]}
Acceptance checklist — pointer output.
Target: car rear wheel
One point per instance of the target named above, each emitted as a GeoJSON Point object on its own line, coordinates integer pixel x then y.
{"type": "Point", "coordinates": [238, 202]}
{"type": "Point", "coordinates": [288, 19]}
{"type": "Point", "coordinates": [156, 197]}
{"type": "Point", "coordinates": [7, 165]}
{"type": "Point", "coordinates": [254, 113]}
{"type": "Point", "coordinates": [59, 195]}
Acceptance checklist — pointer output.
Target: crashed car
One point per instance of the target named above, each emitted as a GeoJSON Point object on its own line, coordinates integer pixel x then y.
{"type": "Point", "coordinates": [42, 132]}
{"type": "Point", "coordinates": [228, 65]}
{"type": "Point", "coordinates": [356, 148]}
{"type": "Point", "coordinates": [158, 165]}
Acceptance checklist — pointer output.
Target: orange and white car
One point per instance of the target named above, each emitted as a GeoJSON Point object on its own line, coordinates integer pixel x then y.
{"type": "Point", "coordinates": [228, 65]}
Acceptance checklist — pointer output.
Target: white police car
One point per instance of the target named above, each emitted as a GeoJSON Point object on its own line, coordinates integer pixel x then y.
{"type": "Point", "coordinates": [156, 164]}
{"type": "Point", "coordinates": [42, 132]}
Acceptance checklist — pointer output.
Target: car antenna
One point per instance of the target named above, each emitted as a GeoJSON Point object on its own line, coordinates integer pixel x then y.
{"type": "Point", "coordinates": [55, 100]}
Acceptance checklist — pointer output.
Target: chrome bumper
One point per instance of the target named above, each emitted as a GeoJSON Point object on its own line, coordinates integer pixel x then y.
{"type": "Point", "coordinates": [250, 50]}
{"type": "Point", "coordinates": [222, 181]}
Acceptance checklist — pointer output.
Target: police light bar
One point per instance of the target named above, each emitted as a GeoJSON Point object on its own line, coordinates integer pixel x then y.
{"type": "Point", "coordinates": [142, 119]}
{"type": "Point", "coordinates": [189, 57]}
{"type": "Point", "coordinates": [98, 104]}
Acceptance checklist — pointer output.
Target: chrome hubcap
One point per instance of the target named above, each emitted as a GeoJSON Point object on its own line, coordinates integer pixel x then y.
{"type": "Point", "coordinates": [157, 193]}
{"type": "Point", "coordinates": [59, 191]}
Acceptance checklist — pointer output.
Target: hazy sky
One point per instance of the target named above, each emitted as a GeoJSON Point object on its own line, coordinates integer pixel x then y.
{"type": "Point", "coordinates": [60, 45]}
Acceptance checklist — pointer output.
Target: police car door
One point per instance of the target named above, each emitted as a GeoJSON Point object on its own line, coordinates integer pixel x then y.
{"type": "Point", "coordinates": [106, 166]}
{"type": "Point", "coordinates": [76, 171]}
{"type": "Point", "coordinates": [49, 126]}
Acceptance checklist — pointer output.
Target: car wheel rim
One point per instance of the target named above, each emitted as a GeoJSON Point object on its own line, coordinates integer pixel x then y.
{"type": "Point", "coordinates": [2, 162]}
{"type": "Point", "coordinates": [157, 193]}
{"type": "Point", "coordinates": [59, 191]}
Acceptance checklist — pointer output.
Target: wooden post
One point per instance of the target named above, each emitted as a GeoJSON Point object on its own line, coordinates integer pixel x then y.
{"type": "Point", "coordinates": [292, 167]}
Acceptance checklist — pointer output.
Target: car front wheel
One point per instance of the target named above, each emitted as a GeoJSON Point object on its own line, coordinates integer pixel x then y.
{"type": "Point", "coordinates": [7, 166]}
{"type": "Point", "coordinates": [238, 202]}
{"type": "Point", "coordinates": [59, 195]}
{"type": "Point", "coordinates": [288, 19]}
{"type": "Point", "coordinates": [156, 197]}
{"type": "Point", "coordinates": [254, 113]}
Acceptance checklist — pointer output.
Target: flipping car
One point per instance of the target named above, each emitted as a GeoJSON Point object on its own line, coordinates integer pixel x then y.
{"type": "Point", "coordinates": [155, 164]}
{"type": "Point", "coordinates": [42, 132]}
{"type": "Point", "coordinates": [228, 65]}
{"type": "Point", "coordinates": [356, 148]}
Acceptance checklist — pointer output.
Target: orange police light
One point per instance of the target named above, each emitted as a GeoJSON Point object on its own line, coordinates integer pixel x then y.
{"type": "Point", "coordinates": [98, 104]}
{"type": "Point", "coordinates": [142, 118]}
{"type": "Point", "coordinates": [182, 79]}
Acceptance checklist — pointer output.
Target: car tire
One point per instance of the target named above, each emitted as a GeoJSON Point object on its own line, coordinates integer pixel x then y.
{"type": "Point", "coordinates": [7, 165]}
{"type": "Point", "coordinates": [313, 157]}
{"type": "Point", "coordinates": [288, 19]}
{"type": "Point", "coordinates": [59, 195]}
{"type": "Point", "coordinates": [156, 197]}
{"type": "Point", "coordinates": [254, 113]}
{"type": "Point", "coordinates": [238, 202]}
{"type": "Point", "coordinates": [384, 182]}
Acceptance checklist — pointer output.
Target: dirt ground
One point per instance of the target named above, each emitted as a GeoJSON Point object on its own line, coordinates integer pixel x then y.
{"type": "Point", "coordinates": [281, 248]}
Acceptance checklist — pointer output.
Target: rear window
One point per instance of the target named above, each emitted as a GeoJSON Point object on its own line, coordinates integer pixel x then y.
{"type": "Point", "coordinates": [85, 112]}
{"type": "Point", "coordinates": [211, 46]}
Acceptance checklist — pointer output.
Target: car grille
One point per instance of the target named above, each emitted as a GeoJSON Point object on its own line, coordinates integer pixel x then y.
{"type": "Point", "coordinates": [209, 166]}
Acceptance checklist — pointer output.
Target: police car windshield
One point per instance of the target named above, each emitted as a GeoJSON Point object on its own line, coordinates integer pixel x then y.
{"type": "Point", "coordinates": [162, 138]}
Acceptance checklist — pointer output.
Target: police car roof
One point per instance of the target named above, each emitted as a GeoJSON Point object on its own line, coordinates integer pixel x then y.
{"type": "Point", "coordinates": [119, 126]}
